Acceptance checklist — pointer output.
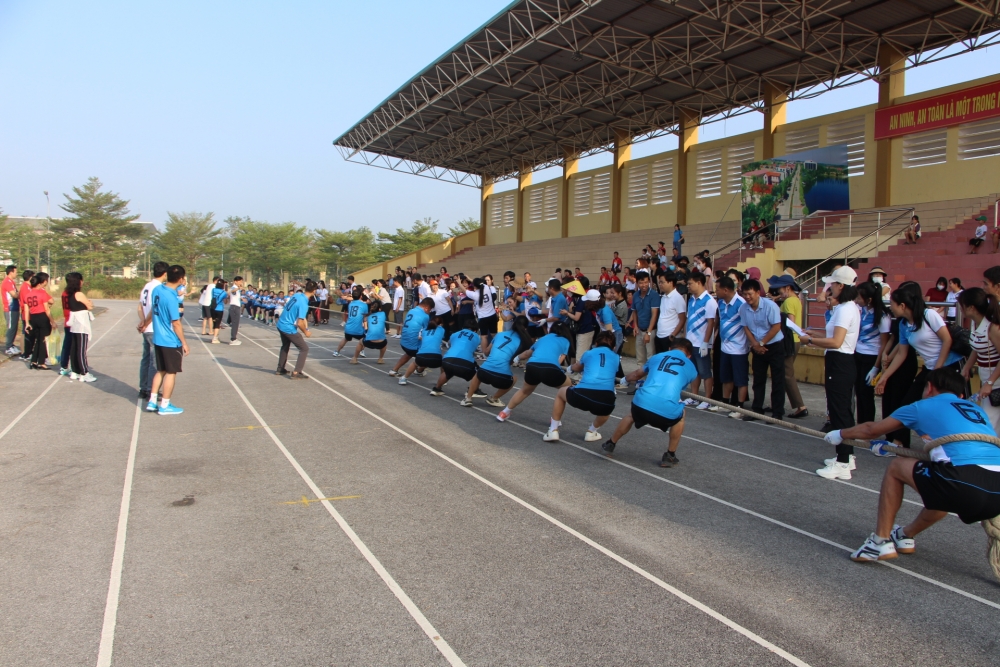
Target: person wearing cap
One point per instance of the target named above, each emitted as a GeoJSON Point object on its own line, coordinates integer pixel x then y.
{"type": "Point", "coordinates": [761, 320]}
{"type": "Point", "coordinates": [791, 310]}
{"type": "Point", "coordinates": [878, 275]}
{"type": "Point", "coordinates": [443, 308]}
{"type": "Point", "coordinates": [839, 341]}
{"type": "Point", "coordinates": [979, 237]}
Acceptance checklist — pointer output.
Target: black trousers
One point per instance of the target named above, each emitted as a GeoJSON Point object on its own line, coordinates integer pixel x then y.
{"type": "Point", "coordinates": [774, 360]}
{"type": "Point", "coordinates": [41, 327]}
{"type": "Point", "coordinates": [864, 393]}
{"type": "Point", "coordinates": [841, 373]}
{"type": "Point", "coordinates": [716, 364]}
{"type": "Point", "coordinates": [914, 393]}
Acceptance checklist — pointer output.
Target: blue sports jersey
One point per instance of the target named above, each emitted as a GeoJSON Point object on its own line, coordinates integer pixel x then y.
{"type": "Point", "coordinates": [607, 316]}
{"type": "Point", "coordinates": [296, 310]}
{"type": "Point", "coordinates": [218, 295]}
{"type": "Point", "coordinates": [431, 341]}
{"type": "Point", "coordinates": [463, 345]}
{"type": "Point", "coordinates": [667, 375]}
{"type": "Point", "coordinates": [548, 349]}
{"type": "Point", "coordinates": [356, 314]}
{"type": "Point", "coordinates": [599, 367]}
{"type": "Point", "coordinates": [376, 326]}
{"type": "Point", "coordinates": [559, 303]}
{"type": "Point", "coordinates": [947, 414]}
{"type": "Point", "coordinates": [415, 322]}
{"type": "Point", "coordinates": [505, 346]}
{"type": "Point", "coordinates": [165, 312]}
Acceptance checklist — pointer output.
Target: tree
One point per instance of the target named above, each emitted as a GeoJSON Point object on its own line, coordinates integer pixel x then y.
{"type": "Point", "coordinates": [346, 252]}
{"type": "Point", "coordinates": [464, 227]}
{"type": "Point", "coordinates": [422, 234]}
{"type": "Point", "coordinates": [187, 238]}
{"type": "Point", "coordinates": [100, 234]}
{"type": "Point", "coordinates": [268, 249]}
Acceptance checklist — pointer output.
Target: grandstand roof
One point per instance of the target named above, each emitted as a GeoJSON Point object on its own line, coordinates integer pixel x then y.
{"type": "Point", "coordinates": [544, 77]}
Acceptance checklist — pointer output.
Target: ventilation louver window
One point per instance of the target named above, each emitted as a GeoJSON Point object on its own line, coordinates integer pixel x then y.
{"type": "Point", "coordinates": [852, 133]}
{"type": "Point", "coordinates": [663, 181]}
{"type": "Point", "coordinates": [801, 140]}
{"type": "Point", "coordinates": [708, 178]}
{"type": "Point", "coordinates": [926, 148]}
{"type": "Point", "coordinates": [581, 196]}
{"type": "Point", "coordinates": [737, 155]}
{"type": "Point", "coordinates": [535, 205]}
{"type": "Point", "coordinates": [602, 193]}
{"type": "Point", "coordinates": [551, 202]}
{"type": "Point", "coordinates": [638, 186]}
{"type": "Point", "coordinates": [979, 139]}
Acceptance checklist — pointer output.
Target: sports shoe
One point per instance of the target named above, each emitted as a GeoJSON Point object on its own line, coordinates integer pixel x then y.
{"type": "Point", "coordinates": [402, 380]}
{"type": "Point", "coordinates": [437, 392]}
{"type": "Point", "coordinates": [735, 415]}
{"type": "Point", "coordinates": [503, 416]}
{"type": "Point", "coordinates": [465, 403]}
{"type": "Point", "coordinates": [236, 342]}
{"type": "Point", "coordinates": [363, 355]}
{"type": "Point", "coordinates": [852, 465]}
{"type": "Point", "coordinates": [393, 374]}
{"type": "Point", "coordinates": [835, 470]}
{"type": "Point", "coordinates": [872, 551]}
{"type": "Point", "coordinates": [89, 377]}
{"type": "Point", "coordinates": [65, 371]}
{"type": "Point", "coordinates": [704, 405]}
{"type": "Point", "coordinates": [152, 406]}
{"type": "Point", "coordinates": [171, 409]}
{"type": "Point", "coordinates": [283, 371]}
{"type": "Point", "coordinates": [335, 353]}
{"type": "Point", "coordinates": [495, 402]}
{"type": "Point", "coordinates": [396, 336]}
{"type": "Point", "coordinates": [421, 373]}
{"type": "Point", "coordinates": [608, 447]}
{"type": "Point", "coordinates": [669, 460]}
{"type": "Point", "coordinates": [478, 394]}
{"type": "Point", "coordinates": [551, 436]}
{"type": "Point", "coordinates": [144, 394]}
{"type": "Point", "coordinates": [688, 402]}
{"type": "Point", "coordinates": [591, 436]}
{"type": "Point", "coordinates": [215, 341]}
{"type": "Point", "coordinates": [718, 408]}
{"type": "Point", "coordinates": [904, 544]}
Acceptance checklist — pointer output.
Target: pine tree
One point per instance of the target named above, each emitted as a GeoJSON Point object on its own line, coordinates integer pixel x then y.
{"type": "Point", "coordinates": [100, 235]}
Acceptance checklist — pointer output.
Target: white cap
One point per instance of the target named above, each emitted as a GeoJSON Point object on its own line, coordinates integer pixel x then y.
{"type": "Point", "coordinates": [592, 295]}
{"type": "Point", "coordinates": [845, 275]}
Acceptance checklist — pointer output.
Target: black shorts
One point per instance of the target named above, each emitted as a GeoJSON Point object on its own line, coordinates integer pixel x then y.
{"type": "Point", "coordinates": [216, 318]}
{"type": "Point", "coordinates": [971, 492]}
{"type": "Point", "coordinates": [375, 344]}
{"type": "Point", "coordinates": [975, 242]}
{"type": "Point", "coordinates": [343, 307]}
{"type": "Point", "coordinates": [206, 313]}
{"type": "Point", "coordinates": [428, 360]}
{"type": "Point", "coordinates": [168, 359]}
{"type": "Point", "coordinates": [410, 353]}
{"type": "Point", "coordinates": [599, 402]}
{"type": "Point", "coordinates": [463, 368]}
{"type": "Point", "coordinates": [387, 308]}
{"type": "Point", "coordinates": [349, 337]}
{"type": "Point", "coordinates": [642, 417]}
{"type": "Point", "coordinates": [495, 379]}
{"type": "Point", "coordinates": [488, 325]}
{"type": "Point", "coordinates": [548, 374]}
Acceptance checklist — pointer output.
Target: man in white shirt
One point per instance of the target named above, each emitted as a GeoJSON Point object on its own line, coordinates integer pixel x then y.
{"type": "Point", "coordinates": [673, 313]}
{"type": "Point", "coordinates": [398, 303]}
{"type": "Point", "coordinates": [701, 313]}
{"type": "Point", "coordinates": [528, 283]}
{"type": "Point", "coordinates": [147, 367]}
{"type": "Point", "coordinates": [423, 289]}
{"type": "Point", "coordinates": [980, 236]}
{"type": "Point", "coordinates": [235, 309]}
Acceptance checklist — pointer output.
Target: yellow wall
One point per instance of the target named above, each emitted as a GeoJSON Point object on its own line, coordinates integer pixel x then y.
{"type": "Point", "coordinates": [499, 235]}
{"type": "Point", "coordinates": [593, 223]}
{"type": "Point", "coordinates": [720, 207]}
{"type": "Point", "coordinates": [650, 216]}
{"type": "Point", "coordinates": [546, 229]}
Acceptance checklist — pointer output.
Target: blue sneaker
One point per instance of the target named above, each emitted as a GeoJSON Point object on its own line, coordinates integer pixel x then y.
{"type": "Point", "coordinates": [152, 406]}
{"type": "Point", "coordinates": [171, 409]}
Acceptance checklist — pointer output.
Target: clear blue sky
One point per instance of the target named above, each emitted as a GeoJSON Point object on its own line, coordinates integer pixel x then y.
{"type": "Point", "coordinates": [232, 107]}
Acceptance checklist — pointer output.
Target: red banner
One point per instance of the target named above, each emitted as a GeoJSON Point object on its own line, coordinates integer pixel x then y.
{"type": "Point", "coordinates": [962, 106]}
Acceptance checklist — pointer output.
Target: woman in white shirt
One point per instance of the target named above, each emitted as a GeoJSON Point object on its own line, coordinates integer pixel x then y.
{"type": "Point", "coordinates": [483, 303]}
{"type": "Point", "coordinates": [323, 294]}
{"type": "Point", "coordinates": [875, 325]}
{"type": "Point", "coordinates": [954, 289]}
{"type": "Point", "coordinates": [840, 341]}
{"type": "Point", "coordinates": [984, 335]}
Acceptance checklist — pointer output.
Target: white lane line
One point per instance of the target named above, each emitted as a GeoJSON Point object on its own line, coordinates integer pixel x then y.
{"type": "Point", "coordinates": [414, 611]}
{"type": "Point", "coordinates": [52, 384]}
{"type": "Point", "coordinates": [749, 634]}
{"type": "Point", "coordinates": [118, 560]}
{"type": "Point", "coordinates": [740, 508]}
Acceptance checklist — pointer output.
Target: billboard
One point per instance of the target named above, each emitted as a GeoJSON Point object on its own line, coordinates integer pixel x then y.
{"type": "Point", "coordinates": [795, 185]}
{"type": "Point", "coordinates": [961, 106]}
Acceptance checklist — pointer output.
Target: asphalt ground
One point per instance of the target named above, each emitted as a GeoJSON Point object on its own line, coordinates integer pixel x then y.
{"type": "Point", "coordinates": [448, 537]}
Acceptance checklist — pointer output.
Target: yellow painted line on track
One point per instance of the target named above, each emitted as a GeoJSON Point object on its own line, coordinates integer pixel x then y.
{"type": "Point", "coordinates": [305, 501]}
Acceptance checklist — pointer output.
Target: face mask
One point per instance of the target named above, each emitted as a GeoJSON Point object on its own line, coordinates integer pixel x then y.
{"type": "Point", "coordinates": [941, 287]}
{"type": "Point", "coordinates": [877, 279]}
{"type": "Point", "coordinates": [672, 267]}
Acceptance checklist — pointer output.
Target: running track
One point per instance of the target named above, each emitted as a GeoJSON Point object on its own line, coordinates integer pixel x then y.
{"type": "Point", "coordinates": [450, 538]}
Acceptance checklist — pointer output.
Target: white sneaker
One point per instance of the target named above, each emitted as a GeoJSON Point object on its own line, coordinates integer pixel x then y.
{"type": "Point", "coordinates": [89, 377]}
{"type": "Point", "coordinates": [735, 415]}
{"type": "Point", "coordinates": [852, 465]}
{"type": "Point", "coordinates": [402, 380]}
{"type": "Point", "coordinates": [236, 342]}
{"type": "Point", "coordinates": [363, 355]}
{"type": "Point", "coordinates": [704, 405]}
{"type": "Point", "coordinates": [871, 551]}
{"type": "Point", "coordinates": [904, 544]}
{"type": "Point", "coordinates": [335, 353]}
{"type": "Point", "coordinates": [591, 436]}
{"type": "Point", "coordinates": [215, 341]}
{"type": "Point", "coordinates": [688, 402]}
{"type": "Point", "coordinates": [551, 436]}
{"type": "Point", "coordinates": [495, 402]}
{"type": "Point", "coordinates": [73, 376]}
{"type": "Point", "coordinates": [421, 373]}
{"type": "Point", "coordinates": [396, 336]}
{"type": "Point", "coordinates": [393, 374]}
{"type": "Point", "coordinates": [717, 408]}
{"type": "Point", "coordinates": [465, 403]}
{"type": "Point", "coordinates": [835, 471]}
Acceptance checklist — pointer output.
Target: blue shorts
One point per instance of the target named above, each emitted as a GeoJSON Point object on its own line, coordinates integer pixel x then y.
{"type": "Point", "coordinates": [703, 365]}
{"type": "Point", "coordinates": [734, 368]}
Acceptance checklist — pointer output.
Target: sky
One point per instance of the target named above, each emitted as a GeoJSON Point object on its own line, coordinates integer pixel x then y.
{"type": "Point", "coordinates": [232, 107]}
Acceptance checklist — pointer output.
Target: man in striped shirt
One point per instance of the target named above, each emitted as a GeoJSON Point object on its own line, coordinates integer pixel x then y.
{"type": "Point", "coordinates": [701, 312]}
{"type": "Point", "coordinates": [734, 368]}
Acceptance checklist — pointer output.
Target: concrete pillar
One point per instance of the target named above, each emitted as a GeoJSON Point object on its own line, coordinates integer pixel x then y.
{"type": "Point", "coordinates": [485, 192]}
{"type": "Point", "coordinates": [688, 138]}
{"type": "Point", "coordinates": [571, 165]}
{"type": "Point", "coordinates": [623, 153]}
{"type": "Point", "coordinates": [775, 103]}
{"type": "Point", "coordinates": [891, 64]}
{"type": "Point", "coordinates": [523, 181]}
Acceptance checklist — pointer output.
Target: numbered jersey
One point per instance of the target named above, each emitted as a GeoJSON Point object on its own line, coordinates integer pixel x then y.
{"type": "Point", "coordinates": [462, 345]}
{"type": "Point", "coordinates": [505, 346]}
{"type": "Point", "coordinates": [165, 312]}
{"type": "Point", "coordinates": [667, 375]}
{"type": "Point", "coordinates": [356, 314]}
{"type": "Point", "coordinates": [599, 367]}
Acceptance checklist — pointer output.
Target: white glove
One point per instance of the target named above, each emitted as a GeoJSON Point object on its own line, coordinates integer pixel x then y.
{"type": "Point", "coordinates": [871, 375]}
{"type": "Point", "coordinates": [834, 437]}
{"type": "Point", "coordinates": [703, 351]}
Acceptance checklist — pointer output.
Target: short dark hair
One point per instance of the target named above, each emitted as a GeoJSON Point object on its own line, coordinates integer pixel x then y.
{"type": "Point", "coordinates": [947, 381]}
{"type": "Point", "coordinates": [235, 278]}
{"type": "Point", "coordinates": [415, 276]}
{"type": "Point", "coordinates": [684, 345]}
{"type": "Point", "coordinates": [310, 285]}
{"type": "Point", "coordinates": [554, 284]}
{"type": "Point", "coordinates": [669, 276]}
{"type": "Point", "coordinates": [509, 274]}
{"type": "Point", "coordinates": [752, 284]}
{"type": "Point", "coordinates": [159, 269]}
{"type": "Point", "coordinates": [605, 339]}
{"type": "Point", "coordinates": [350, 277]}
{"type": "Point", "coordinates": [428, 302]}
{"type": "Point", "coordinates": [27, 274]}
{"type": "Point", "coordinates": [641, 275]}
{"type": "Point", "coordinates": [698, 277]}
{"type": "Point", "coordinates": [12, 267]}
{"type": "Point", "coordinates": [175, 273]}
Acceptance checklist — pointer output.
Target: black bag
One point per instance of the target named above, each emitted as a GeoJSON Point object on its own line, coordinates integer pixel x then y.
{"type": "Point", "coordinates": [788, 339]}
{"type": "Point", "coordinates": [960, 343]}
{"type": "Point", "coordinates": [995, 398]}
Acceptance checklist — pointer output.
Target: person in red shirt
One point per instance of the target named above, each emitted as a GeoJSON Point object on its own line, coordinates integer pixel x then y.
{"type": "Point", "coordinates": [27, 339]}
{"type": "Point", "coordinates": [11, 309]}
{"type": "Point", "coordinates": [616, 264]}
{"type": "Point", "coordinates": [605, 276]}
{"type": "Point", "coordinates": [40, 322]}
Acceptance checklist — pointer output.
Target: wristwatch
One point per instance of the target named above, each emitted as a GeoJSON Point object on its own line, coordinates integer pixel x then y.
{"type": "Point", "coordinates": [989, 382]}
